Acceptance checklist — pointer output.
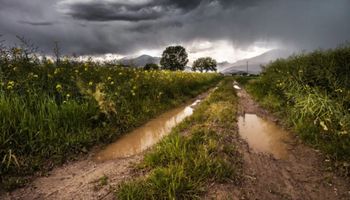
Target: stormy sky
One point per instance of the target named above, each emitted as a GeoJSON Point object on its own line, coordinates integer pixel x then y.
{"type": "Point", "coordinates": [225, 29]}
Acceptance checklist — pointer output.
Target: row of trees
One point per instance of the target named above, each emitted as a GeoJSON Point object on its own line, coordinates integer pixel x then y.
{"type": "Point", "coordinates": [176, 58]}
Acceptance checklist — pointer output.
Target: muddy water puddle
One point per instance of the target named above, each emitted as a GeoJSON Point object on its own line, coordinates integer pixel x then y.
{"type": "Point", "coordinates": [147, 135]}
{"type": "Point", "coordinates": [263, 136]}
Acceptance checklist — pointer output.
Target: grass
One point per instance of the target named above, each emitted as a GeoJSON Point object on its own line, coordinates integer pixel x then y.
{"type": "Point", "coordinates": [199, 151]}
{"type": "Point", "coordinates": [311, 92]}
{"type": "Point", "coordinates": [50, 112]}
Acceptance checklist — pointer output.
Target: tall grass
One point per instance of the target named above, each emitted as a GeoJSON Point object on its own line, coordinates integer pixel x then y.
{"type": "Point", "coordinates": [50, 111]}
{"type": "Point", "coordinates": [312, 93]}
{"type": "Point", "coordinates": [182, 166]}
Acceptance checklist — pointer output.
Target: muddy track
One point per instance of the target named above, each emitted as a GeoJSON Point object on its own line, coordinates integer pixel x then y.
{"type": "Point", "coordinates": [301, 175]}
{"type": "Point", "coordinates": [82, 180]}
{"type": "Point", "coordinates": [78, 180]}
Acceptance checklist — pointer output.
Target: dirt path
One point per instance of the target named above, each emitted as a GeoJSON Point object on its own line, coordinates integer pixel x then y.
{"type": "Point", "coordinates": [300, 176]}
{"type": "Point", "coordinates": [85, 179]}
{"type": "Point", "coordinates": [78, 180]}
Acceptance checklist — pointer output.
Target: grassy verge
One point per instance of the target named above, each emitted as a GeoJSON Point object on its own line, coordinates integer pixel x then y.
{"type": "Point", "coordinates": [199, 151]}
{"type": "Point", "coordinates": [311, 93]}
{"type": "Point", "coordinates": [52, 112]}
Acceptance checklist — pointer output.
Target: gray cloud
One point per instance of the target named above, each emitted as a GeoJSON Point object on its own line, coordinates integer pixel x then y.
{"type": "Point", "coordinates": [147, 10]}
{"type": "Point", "coordinates": [123, 27]}
{"type": "Point", "coordinates": [38, 23]}
{"type": "Point", "coordinates": [147, 27]}
{"type": "Point", "coordinates": [111, 11]}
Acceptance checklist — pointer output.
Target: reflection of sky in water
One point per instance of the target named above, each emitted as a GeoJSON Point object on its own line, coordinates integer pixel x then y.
{"type": "Point", "coordinates": [263, 135]}
{"type": "Point", "coordinates": [147, 135]}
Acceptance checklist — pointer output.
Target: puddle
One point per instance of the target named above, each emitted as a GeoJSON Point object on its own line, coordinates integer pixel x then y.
{"type": "Point", "coordinates": [147, 135]}
{"type": "Point", "coordinates": [263, 136]}
{"type": "Point", "coordinates": [236, 87]}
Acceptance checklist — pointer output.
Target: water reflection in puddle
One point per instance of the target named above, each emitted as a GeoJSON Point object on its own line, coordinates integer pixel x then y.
{"type": "Point", "coordinates": [147, 135]}
{"type": "Point", "coordinates": [263, 136]}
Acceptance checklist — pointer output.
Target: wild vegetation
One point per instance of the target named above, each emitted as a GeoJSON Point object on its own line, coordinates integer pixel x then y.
{"type": "Point", "coordinates": [197, 153]}
{"type": "Point", "coordinates": [311, 92]}
{"type": "Point", "coordinates": [174, 58]}
{"type": "Point", "coordinates": [50, 110]}
{"type": "Point", "coordinates": [151, 66]}
{"type": "Point", "coordinates": [204, 64]}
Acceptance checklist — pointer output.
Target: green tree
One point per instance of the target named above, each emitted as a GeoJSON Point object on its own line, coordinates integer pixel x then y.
{"type": "Point", "coordinates": [204, 64]}
{"type": "Point", "coordinates": [151, 66]}
{"type": "Point", "coordinates": [174, 58]}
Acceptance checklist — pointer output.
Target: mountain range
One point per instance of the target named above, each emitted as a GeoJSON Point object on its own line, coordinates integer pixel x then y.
{"type": "Point", "coordinates": [254, 63]}
{"type": "Point", "coordinates": [140, 61]}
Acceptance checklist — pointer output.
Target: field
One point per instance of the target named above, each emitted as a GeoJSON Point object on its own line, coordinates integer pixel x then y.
{"type": "Point", "coordinates": [51, 112]}
{"type": "Point", "coordinates": [311, 93]}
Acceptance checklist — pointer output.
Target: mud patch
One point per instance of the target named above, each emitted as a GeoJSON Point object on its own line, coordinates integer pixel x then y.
{"type": "Point", "coordinates": [146, 136]}
{"type": "Point", "coordinates": [263, 135]}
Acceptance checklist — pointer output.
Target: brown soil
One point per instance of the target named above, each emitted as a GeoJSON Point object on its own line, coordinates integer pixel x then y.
{"type": "Point", "coordinates": [302, 175]}
{"type": "Point", "coordinates": [78, 180]}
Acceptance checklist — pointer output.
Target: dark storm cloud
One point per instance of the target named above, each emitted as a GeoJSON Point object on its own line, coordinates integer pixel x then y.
{"type": "Point", "coordinates": [126, 26]}
{"type": "Point", "coordinates": [240, 3]}
{"type": "Point", "coordinates": [39, 23]}
{"type": "Point", "coordinates": [153, 27]}
{"type": "Point", "coordinates": [110, 11]}
{"type": "Point", "coordinates": [148, 10]}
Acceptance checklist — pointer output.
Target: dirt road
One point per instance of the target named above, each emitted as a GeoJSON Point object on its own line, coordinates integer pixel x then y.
{"type": "Point", "coordinates": [301, 175]}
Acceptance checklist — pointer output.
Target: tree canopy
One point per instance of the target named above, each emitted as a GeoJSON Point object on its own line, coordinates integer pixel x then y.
{"type": "Point", "coordinates": [174, 58]}
{"type": "Point", "coordinates": [204, 64]}
{"type": "Point", "coordinates": [151, 66]}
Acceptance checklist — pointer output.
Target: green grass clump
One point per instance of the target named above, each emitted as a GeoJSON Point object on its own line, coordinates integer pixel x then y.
{"type": "Point", "coordinates": [311, 92]}
{"type": "Point", "coordinates": [196, 153]}
{"type": "Point", "coordinates": [53, 111]}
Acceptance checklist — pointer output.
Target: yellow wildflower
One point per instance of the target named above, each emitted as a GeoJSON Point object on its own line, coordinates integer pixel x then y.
{"type": "Point", "coordinates": [58, 87]}
{"type": "Point", "coordinates": [323, 126]}
{"type": "Point", "coordinates": [11, 83]}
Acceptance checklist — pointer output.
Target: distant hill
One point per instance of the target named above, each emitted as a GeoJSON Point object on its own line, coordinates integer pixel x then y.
{"type": "Point", "coordinates": [254, 63]}
{"type": "Point", "coordinates": [140, 61]}
{"type": "Point", "coordinates": [224, 65]}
